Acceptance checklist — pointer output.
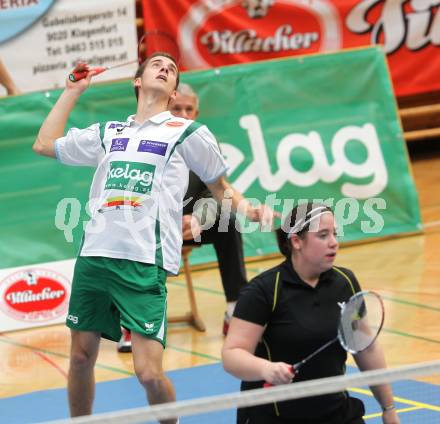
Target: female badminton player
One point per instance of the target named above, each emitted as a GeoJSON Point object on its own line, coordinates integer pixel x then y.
{"type": "Point", "coordinates": [289, 312]}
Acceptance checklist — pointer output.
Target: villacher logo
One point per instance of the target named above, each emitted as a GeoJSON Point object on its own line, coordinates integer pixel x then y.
{"type": "Point", "coordinates": [34, 295]}
{"type": "Point", "coordinates": [261, 29]}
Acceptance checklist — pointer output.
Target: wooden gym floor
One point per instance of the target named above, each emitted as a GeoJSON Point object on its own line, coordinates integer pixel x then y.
{"type": "Point", "coordinates": [406, 271]}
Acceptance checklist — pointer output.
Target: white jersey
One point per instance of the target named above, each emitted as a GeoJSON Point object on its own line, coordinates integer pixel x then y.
{"type": "Point", "coordinates": [140, 180]}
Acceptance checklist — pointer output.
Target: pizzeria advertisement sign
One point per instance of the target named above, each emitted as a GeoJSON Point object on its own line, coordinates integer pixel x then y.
{"type": "Point", "coordinates": [42, 40]}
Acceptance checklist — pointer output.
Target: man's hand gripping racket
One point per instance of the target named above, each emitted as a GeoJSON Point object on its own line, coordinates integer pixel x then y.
{"type": "Point", "coordinates": [360, 323]}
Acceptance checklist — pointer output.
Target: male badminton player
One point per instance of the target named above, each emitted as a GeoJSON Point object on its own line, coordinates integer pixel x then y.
{"type": "Point", "coordinates": [134, 236]}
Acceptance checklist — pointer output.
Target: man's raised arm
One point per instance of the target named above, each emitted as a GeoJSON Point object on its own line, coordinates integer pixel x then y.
{"type": "Point", "coordinates": [54, 125]}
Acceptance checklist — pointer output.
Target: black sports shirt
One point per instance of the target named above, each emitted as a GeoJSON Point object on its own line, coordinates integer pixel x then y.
{"type": "Point", "coordinates": [299, 319]}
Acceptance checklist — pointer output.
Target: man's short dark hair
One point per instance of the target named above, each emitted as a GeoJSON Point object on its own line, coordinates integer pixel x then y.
{"type": "Point", "coordinates": [141, 69]}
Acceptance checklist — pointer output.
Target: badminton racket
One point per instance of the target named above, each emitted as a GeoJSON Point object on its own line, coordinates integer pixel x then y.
{"type": "Point", "coordinates": [81, 70]}
{"type": "Point", "coordinates": [150, 42]}
{"type": "Point", "coordinates": [360, 323]}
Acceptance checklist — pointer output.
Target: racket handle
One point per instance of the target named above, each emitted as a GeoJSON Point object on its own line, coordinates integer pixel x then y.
{"type": "Point", "coordinates": [267, 385]}
{"type": "Point", "coordinates": [76, 76]}
{"type": "Point", "coordinates": [297, 366]}
{"type": "Point", "coordinates": [292, 368]}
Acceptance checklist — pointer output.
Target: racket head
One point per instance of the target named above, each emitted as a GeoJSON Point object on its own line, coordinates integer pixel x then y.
{"type": "Point", "coordinates": [362, 319]}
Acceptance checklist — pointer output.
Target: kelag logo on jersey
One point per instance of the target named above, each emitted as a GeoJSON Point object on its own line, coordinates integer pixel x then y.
{"type": "Point", "coordinates": [132, 176]}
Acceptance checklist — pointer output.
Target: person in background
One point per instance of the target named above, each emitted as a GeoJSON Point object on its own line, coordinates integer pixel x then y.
{"type": "Point", "coordinates": [286, 313]}
{"type": "Point", "coordinates": [7, 81]}
{"type": "Point", "coordinates": [202, 211]}
{"type": "Point", "coordinates": [133, 239]}
{"type": "Point", "coordinates": [223, 235]}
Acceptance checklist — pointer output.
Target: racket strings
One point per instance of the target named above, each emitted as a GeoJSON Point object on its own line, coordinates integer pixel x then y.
{"type": "Point", "coordinates": [361, 321]}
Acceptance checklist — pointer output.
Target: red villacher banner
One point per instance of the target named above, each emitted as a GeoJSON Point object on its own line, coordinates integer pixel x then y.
{"type": "Point", "coordinates": [211, 33]}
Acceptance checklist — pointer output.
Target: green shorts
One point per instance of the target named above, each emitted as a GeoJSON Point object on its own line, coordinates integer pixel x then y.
{"type": "Point", "coordinates": [109, 293]}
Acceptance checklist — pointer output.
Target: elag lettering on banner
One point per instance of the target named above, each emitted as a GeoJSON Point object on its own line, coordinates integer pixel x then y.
{"type": "Point", "coordinates": [216, 33]}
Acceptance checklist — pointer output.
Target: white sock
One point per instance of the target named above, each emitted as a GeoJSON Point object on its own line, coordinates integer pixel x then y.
{"type": "Point", "coordinates": [230, 306]}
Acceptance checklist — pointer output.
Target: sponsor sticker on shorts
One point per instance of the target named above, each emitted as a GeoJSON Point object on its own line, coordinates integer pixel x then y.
{"type": "Point", "coordinates": [151, 146]}
{"type": "Point", "coordinates": [149, 327]}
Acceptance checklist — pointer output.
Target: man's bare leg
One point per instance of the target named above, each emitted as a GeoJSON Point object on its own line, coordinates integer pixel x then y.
{"type": "Point", "coordinates": [81, 377]}
{"type": "Point", "coordinates": [147, 358]}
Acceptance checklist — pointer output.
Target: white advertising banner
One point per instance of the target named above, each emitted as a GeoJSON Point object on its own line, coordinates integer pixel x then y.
{"type": "Point", "coordinates": [35, 295]}
{"type": "Point", "coordinates": [42, 40]}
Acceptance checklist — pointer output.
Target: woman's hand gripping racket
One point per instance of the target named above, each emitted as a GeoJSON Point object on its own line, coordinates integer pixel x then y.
{"type": "Point", "coordinates": [360, 323]}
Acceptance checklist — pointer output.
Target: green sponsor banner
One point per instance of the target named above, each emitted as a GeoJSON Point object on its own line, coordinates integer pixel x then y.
{"type": "Point", "coordinates": [321, 127]}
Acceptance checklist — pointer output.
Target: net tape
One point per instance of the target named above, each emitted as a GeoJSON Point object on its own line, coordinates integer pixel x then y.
{"type": "Point", "coordinates": [259, 396]}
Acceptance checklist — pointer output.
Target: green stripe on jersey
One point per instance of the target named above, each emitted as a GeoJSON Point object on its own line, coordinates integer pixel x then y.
{"type": "Point", "coordinates": [192, 128]}
{"type": "Point", "coordinates": [102, 126]}
{"type": "Point", "coordinates": [159, 255]}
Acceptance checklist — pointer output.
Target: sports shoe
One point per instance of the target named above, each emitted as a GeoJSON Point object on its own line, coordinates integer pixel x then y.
{"type": "Point", "coordinates": [124, 345]}
{"type": "Point", "coordinates": [226, 321]}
